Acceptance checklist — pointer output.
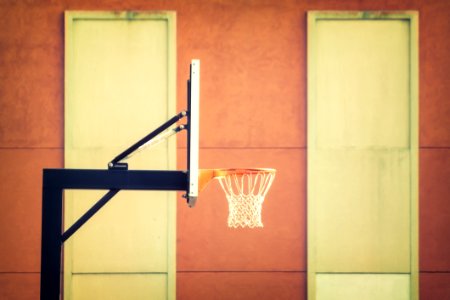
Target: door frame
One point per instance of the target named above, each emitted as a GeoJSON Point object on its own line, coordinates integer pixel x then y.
{"type": "Point", "coordinates": [170, 18]}
{"type": "Point", "coordinates": [413, 18]}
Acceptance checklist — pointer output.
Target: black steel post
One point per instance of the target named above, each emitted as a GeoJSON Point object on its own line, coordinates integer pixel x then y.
{"type": "Point", "coordinates": [54, 183]}
{"type": "Point", "coordinates": [51, 243]}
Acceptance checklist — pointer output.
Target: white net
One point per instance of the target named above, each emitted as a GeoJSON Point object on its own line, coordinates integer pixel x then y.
{"type": "Point", "coordinates": [245, 191]}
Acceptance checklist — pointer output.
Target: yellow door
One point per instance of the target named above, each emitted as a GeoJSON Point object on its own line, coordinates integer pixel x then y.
{"type": "Point", "coordinates": [362, 156]}
{"type": "Point", "coordinates": [119, 86]}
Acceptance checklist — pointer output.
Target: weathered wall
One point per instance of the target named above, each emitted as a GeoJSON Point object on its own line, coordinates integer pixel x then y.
{"type": "Point", "coordinates": [253, 114]}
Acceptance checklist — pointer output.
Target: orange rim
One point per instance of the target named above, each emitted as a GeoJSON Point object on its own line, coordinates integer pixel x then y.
{"type": "Point", "coordinates": [241, 171]}
{"type": "Point", "coordinates": [206, 175]}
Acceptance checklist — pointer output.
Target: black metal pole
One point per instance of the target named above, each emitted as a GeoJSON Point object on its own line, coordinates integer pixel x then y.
{"type": "Point", "coordinates": [147, 138]}
{"type": "Point", "coordinates": [51, 243]}
{"type": "Point", "coordinates": [54, 183]}
{"type": "Point", "coordinates": [87, 215]}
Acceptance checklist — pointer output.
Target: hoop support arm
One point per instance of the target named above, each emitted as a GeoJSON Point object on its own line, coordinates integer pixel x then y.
{"type": "Point", "coordinates": [115, 163]}
{"type": "Point", "coordinates": [87, 215]}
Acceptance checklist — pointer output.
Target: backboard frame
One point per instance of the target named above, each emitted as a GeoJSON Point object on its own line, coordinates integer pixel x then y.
{"type": "Point", "coordinates": [193, 131]}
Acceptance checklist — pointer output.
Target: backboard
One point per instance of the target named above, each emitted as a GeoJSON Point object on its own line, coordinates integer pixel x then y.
{"type": "Point", "coordinates": [193, 130]}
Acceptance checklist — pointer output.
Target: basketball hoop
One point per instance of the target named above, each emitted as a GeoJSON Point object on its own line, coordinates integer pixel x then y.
{"type": "Point", "coordinates": [245, 190]}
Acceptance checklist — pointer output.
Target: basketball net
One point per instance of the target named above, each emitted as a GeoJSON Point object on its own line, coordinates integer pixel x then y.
{"type": "Point", "coordinates": [245, 190]}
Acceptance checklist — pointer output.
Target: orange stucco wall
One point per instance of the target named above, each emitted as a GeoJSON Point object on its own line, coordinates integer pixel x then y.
{"type": "Point", "coordinates": [253, 113]}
